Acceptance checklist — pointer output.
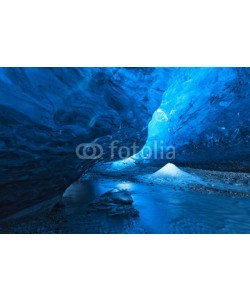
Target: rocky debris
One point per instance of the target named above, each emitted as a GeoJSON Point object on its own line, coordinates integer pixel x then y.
{"type": "Point", "coordinates": [116, 203]}
{"type": "Point", "coordinates": [230, 178]}
{"type": "Point", "coordinates": [119, 197]}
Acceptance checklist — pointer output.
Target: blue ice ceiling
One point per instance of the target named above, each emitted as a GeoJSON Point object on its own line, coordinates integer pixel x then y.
{"type": "Point", "coordinates": [46, 112]}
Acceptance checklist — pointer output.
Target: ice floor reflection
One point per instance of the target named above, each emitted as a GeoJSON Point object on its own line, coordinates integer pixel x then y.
{"type": "Point", "coordinates": [163, 206]}
{"type": "Point", "coordinates": [166, 210]}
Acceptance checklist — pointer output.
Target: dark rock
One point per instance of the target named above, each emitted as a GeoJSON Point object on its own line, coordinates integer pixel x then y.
{"type": "Point", "coordinates": [120, 197]}
{"type": "Point", "coordinates": [117, 203]}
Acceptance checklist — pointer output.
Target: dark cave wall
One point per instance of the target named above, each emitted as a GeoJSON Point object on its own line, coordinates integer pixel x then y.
{"type": "Point", "coordinates": [46, 112]}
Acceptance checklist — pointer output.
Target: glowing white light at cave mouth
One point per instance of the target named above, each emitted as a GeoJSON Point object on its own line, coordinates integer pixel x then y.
{"type": "Point", "coordinates": [124, 185]}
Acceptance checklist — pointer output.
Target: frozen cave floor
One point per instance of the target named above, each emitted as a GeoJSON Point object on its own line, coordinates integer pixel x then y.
{"type": "Point", "coordinates": [146, 200]}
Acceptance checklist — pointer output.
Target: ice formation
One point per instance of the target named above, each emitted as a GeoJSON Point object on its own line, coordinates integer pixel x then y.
{"type": "Point", "coordinates": [46, 112]}
{"type": "Point", "coordinates": [204, 114]}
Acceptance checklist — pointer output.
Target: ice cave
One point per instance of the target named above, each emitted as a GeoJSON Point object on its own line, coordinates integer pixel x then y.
{"type": "Point", "coordinates": [124, 150]}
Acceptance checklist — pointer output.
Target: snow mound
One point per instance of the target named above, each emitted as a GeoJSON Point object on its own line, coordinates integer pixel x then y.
{"type": "Point", "coordinates": [170, 170]}
{"type": "Point", "coordinates": [170, 174]}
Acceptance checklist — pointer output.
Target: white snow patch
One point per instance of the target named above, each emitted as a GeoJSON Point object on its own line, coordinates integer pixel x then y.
{"type": "Point", "coordinates": [170, 174]}
{"type": "Point", "coordinates": [170, 170]}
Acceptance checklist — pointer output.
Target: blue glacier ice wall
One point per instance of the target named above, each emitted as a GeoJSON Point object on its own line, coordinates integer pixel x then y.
{"type": "Point", "coordinates": [46, 112]}
{"type": "Point", "coordinates": [205, 115]}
